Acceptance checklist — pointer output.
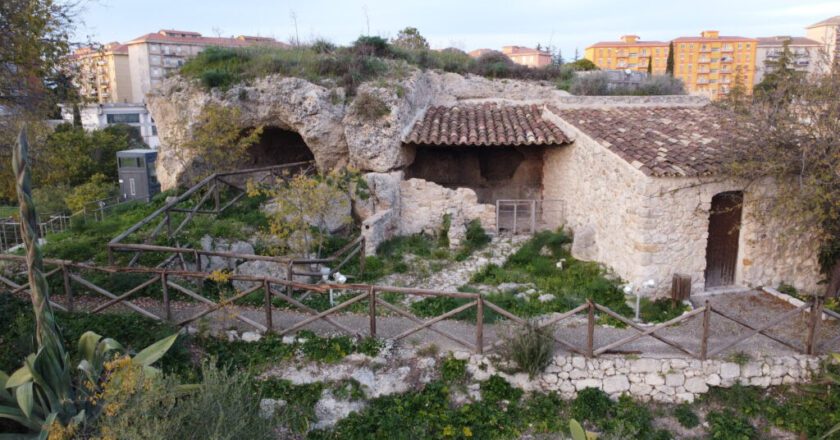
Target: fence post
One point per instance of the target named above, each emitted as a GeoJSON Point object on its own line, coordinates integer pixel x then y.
{"type": "Point", "coordinates": [372, 310]}
{"type": "Point", "coordinates": [590, 333]}
{"type": "Point", "coordinates": [216, 196]}
{"type": "Point", "coordinates": [68, 290]}
{"type": "Point", "coordinates": [168, 225]}
{"type": "Point", "coordinates": [289, 276]}
{"type": "Point", "coordinates": [704, 343]}
{"type": "Point", "coordinates": [479, 325]}
{"type": "Point", "coordinates": [362, 256]}
{"type": "Point", "coordinates": [268, 321]}
{"type": "Point", "coordinates": [197, 261]}
{"type": "Point", "coordinates": [515, 215]}
{"type": "Point", "coordinates": [813, 325]}
{"type": "Point", "coordinates": [165, 289]}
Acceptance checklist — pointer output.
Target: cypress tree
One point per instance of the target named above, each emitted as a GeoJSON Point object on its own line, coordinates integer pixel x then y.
{"type": "Point", "coordinates": [669, 66]}
{"type": "Point", "coordinates": [650, 66]}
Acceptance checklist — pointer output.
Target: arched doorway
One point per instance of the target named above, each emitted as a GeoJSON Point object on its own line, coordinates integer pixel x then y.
{"type": "Point", "coordinates": [724, 234]}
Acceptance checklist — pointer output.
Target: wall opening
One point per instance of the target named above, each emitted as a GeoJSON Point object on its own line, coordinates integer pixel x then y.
{"type": "Point", "coordinates": [492, 172]}
{"type": "Point", "coordinates": [277, 147]}
{"type": "Point", "coordinates": [724, 233]}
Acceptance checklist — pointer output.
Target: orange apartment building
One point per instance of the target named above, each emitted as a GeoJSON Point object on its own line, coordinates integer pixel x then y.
{"type": "Point", "coordinates": [629, 53]}
{"type": "Point", "coordinates": [711, 64]}
{"type": "Point", "coordinates": [102, 75]}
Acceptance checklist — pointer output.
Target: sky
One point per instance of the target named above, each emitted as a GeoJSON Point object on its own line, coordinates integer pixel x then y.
{"type": "Point", "coordinates": [567, 25]}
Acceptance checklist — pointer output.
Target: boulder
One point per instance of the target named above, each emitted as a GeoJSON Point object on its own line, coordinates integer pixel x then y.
{"type": "Point", "coordinates": [584, 245]}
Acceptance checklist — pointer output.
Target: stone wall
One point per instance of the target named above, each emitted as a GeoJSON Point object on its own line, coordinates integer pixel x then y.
{"type": "Point", "coordinates": [601, 198]}
{"type": "Point", "coordinates": [770, 251]}
{"type": "Point", "coordinates": [661, 380]}
{"type": "Point", "coordinates": [651, 228]}
{"type": "Point", "coordinates": [423, 205]}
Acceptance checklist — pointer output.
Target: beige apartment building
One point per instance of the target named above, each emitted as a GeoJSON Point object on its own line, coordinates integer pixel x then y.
{"type": "Point", "coordinates": [827, 33]}
{"type": "Point", "coordinates": [152, 57]}
{"type": "Point", "coordinates": [103, 75]}
{"type": "Point", "coordinates": [519, 55]}
{"type": "Point", "coordinates": [527, 56]}
{"type": "Point", "coordinates": [805, 54]}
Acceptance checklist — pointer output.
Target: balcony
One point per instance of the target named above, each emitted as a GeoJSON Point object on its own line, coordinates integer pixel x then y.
{"type": "Point", "coordinates": [727, 60]}
{"type": "Point", "coordinates": [702, 81]}
{"type": "Point", "coordinates": [727, 49]}
{"type": "Point", "coordinates": [703, 60]}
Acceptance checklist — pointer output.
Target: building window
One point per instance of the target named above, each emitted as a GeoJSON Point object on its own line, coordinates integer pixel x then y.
{"type": "Point", "coordinates": [123, 118]}
{"type": "Point", "coordinates": [132, 162]}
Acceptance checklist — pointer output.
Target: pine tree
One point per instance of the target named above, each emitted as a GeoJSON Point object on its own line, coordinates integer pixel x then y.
{"type": "Point", "coordinates": [577, 54]}
{"type": "Point", "coordinates": [669, 66]}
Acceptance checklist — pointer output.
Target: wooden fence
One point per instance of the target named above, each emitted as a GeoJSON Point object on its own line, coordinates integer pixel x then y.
{"type": "Point", "coordinates": [209, 194]}
{"type": "Point", "coordinates": [172, 282]}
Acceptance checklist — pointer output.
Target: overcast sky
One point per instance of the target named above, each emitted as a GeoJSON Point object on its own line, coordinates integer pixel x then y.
{"type": "Point", "coordinates": [464, 24]}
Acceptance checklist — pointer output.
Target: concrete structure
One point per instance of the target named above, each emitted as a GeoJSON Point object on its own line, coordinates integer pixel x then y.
{"type": "Point", "coordinates": [527, 56]}
{"type": "Point", "coordinates": [805, 54]}
{"type": "Point", "coordinates": [155, 56]}
{"type": "Point", "coordinates": [711, 64]}
{"type": "Point", "coordinates": [103, 76]}
{"type": "Point", "coordinates": [629, 53]}
{"type": "Point", "coordinates": [98, 116]}
{"type": "Point", "coordinates": [827, 33]}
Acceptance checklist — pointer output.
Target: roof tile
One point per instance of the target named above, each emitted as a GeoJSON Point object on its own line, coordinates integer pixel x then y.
{"type": "Point", "coordinates": [486, 124]}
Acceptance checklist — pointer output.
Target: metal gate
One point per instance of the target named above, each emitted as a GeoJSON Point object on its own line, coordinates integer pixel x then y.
{"type": "Point", "coordinates": [518, 216]}
{"type": "Point", "coordinates": [722, 248]}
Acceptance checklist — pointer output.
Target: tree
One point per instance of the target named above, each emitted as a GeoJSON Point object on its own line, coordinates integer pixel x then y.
{"type": "Point", "coordinates": [35, 43]}
{"type": "Point", "coordinates": [583, 64]}
{"type": "Point", "coordinates": [219, 142]}
{"type": "Point", "coordinates": [557, 58]}
{"type": "Point", "coordinates": [792, 136]}
{"type": "Point", "coordinates": [778, 71]}
{"type": "Point", "coordinates": [669, 64]}
{"type": "Point", "coordinates": [577, 55]}
{"type": "Point", "coordinates": [650, 66]}
{"type": "Point", "coordinates": [410, 39]}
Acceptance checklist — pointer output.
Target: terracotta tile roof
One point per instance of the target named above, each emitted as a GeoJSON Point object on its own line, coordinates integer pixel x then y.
{"type": "Point", "coordinates": [718, 38]}
{"type": "Point", "coordinates": [794, 41]}
{"type": "Point", "coordinates": [660, 141]}
{"type": "Point", "coordinates": [485, 125]}
{"type": "Point", "coordinates": [827, 22]}
{"type": "Point", "coordinates": [184, 37]}
{"type": "Point", "coordinates": [642, 43]}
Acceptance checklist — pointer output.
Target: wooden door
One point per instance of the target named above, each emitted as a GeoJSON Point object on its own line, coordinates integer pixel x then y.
{"type": "Point", "coordinates": [724, 231]}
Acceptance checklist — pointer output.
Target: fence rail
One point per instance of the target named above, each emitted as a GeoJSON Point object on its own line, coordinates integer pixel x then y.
{"type": "Point", "coordinates": [173, 282]}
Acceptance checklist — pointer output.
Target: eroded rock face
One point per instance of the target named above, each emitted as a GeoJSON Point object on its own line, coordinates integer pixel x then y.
{"type": "Point", "coordinates": [294, 104]}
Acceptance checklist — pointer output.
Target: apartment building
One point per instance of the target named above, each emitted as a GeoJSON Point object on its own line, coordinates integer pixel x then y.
{"type": "Point", "coordinates": [99, 116]}
{"type": "Point", "coordinates": [805, 54]}
{"type": "Point", "coordinates": [152, 57]}
{"type": "Point", "coordinates": [102, 75]}
{"type": "Point", "coordinates": [827, 33]}
{"type": "Point", "coordinates": [630, 53]}
{"type": "Point", "coordinates": [711, 63]}
{"type": "Point", "coordinates": [527, 56]}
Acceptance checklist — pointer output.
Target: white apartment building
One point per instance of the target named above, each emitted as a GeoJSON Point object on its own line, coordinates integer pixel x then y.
{"type": "Point", "coordinates": [827, 33]}
{"type": "Point", "coordinates": [805, 54]}
{"type": "Point", "coordinates": [152, 57]}
{"type": "Point", "coordinates": [98, 116]}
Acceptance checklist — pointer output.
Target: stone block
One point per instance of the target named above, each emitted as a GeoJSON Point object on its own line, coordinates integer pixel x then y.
{"type": "Point", "coordinates": [654, 379]}
{"type": "Point", "coordinates": [645, 365]}
{"type": "Point", "coordinates": [729, 370]}
{"type": "Point", "coordinates": [696, 385]}
{"type": "Point", "coordinates": [674, 379]}
{"type": "Point", "coordinates": [616, 384]}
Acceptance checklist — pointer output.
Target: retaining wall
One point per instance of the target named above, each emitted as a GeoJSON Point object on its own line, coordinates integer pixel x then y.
{"type": "Point", "coordinates": [661, 380]}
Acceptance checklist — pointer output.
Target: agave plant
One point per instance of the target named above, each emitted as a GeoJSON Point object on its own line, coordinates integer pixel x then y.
{"type": "Point", "coordinates": [578, 433]}
{"type": "Point", "coordinates": [40, 393]}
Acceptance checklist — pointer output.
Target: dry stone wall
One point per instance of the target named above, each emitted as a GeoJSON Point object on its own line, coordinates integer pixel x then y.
{"type": "Point", "coordinates": [661, 380]}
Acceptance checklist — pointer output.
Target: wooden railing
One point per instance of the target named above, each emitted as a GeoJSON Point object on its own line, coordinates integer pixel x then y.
{"type": "Point", "coordinates": [208, 193]}
{"type": "Point", "coordinates": [173, 282]}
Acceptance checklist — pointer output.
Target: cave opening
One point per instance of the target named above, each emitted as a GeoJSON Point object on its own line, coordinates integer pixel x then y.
{"type": "Point", "coordinates": [278, 146]}
{"type": "Point", "coordinates": [494, 173]}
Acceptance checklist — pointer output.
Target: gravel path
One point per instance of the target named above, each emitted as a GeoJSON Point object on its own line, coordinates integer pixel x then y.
{"type": "Point", "coordinates": [756, 308]}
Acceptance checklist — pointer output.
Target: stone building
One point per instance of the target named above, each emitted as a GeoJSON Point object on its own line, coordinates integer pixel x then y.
{"type": "Point", "coordinates": [634, 179]}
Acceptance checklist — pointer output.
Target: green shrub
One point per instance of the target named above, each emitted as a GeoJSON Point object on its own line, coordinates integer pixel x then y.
{"type": "Point", "coordinates": [729, 425]}
{"type": "Point", "coordinates": [299, 412]}
{"type": "Point", "coordinates": [686, 416]}
{"type": "Point", "coordinates": [660, 310]}
{"type": "Point", "coordinates": [370, 107]}
{"type": "Point", "coordinates": [97, 188]}
{"type": "Point", "coordinates": [224, 406]}
{"type": "Point", "coordinates": [630, 420]}
{"type": "Point", "coordinates": [530, 348]}
{"type": "Point", "coordinates": [453, 370]}
{"type": "Point", "coordinates": [497, 389]}
{"type": "Point", "coordinates": [592, 405]}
